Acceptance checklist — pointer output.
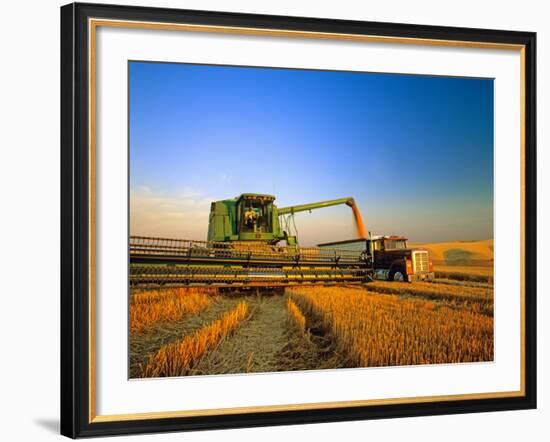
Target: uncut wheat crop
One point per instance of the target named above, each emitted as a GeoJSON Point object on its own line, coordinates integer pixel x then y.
{"type": "Point", "coordinates": [374, 329]}
{"type": "Point", "coordinates": [476, 299]}
{"type": "Point", "coordinates": [150, 307]}
{"type": "Point", "coordinates": [178, 358]}
{"type": "Point", "coordinates": [295, 316]}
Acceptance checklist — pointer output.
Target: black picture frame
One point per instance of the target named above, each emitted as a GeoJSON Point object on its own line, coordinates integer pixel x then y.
{"type": "Point", "coordinates": [75, 221]}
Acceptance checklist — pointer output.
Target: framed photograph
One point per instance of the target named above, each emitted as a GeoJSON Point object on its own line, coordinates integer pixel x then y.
{"type": "Point", "coordinates": [274, 220]}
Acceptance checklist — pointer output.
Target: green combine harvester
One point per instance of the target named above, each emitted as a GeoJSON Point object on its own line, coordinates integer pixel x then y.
{"type": "Point", "coordinates": [253, 219]}
{"type": "Point", "coordinates": [249, 243]}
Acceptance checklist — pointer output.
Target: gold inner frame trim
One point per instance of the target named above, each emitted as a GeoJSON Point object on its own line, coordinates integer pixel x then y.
{"type": "Point", "coordinates": [297, 407]}
{"type": "Point", "coordinates": [93, 24]}
{"type": "Point", "coordinates": [301, 34]}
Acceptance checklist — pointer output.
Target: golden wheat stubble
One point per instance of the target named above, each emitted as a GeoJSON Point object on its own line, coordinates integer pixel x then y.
{"type": "Point", "coordinates": [177, 358]}
{"type": "Point", "coordinates": [167, 305]}
{"type": "Point", "coordinates": [296, 317]}
{"type": "Point", "coordinates": [385, 330]}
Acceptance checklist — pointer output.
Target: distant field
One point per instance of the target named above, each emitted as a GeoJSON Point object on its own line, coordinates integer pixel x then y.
{"type": "Point", "coordinates": [462, 260]}
{"type": "Point", "coordinates": [473, 274]}
{"type": "Point", "coordinates": [470, 270]}
{"type": "Point", "coordinates": [460, 253]}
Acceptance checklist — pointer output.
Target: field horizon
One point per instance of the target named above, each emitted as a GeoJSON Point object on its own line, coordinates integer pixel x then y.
{"type": "Point", "coordinates": [459, 253]}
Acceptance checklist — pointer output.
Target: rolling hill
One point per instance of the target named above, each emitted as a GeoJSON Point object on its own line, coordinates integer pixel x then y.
{"type": "Point", "coordinates": [460, 253]}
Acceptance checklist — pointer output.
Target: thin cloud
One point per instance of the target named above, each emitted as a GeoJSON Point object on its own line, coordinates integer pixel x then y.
{"type": "Point", "coordinates": [183, 214]}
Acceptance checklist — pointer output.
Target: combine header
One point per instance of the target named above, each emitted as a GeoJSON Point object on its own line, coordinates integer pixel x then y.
{"type": "Point", "coordinates": [249, 243]}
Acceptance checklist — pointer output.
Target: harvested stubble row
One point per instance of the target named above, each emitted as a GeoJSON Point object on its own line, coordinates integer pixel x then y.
{"type": "Point", "coordinates": [482, 274]}
{"type": "Point", "coordinates": [295, 316]}
{"type": "Point", "coordinates": [178, 358]}
{"type": "Point", "coordinates": [455, 282]}
{"type": "Point", "coordinates": [152, 306]}
{"type": "Point", "coordinates": [386, 330]}
{"type": "Point", "coordinates": [475, 299]}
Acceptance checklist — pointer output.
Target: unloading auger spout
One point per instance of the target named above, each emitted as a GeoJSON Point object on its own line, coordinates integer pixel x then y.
{"type": "Point", "coordinates": [349, 201]}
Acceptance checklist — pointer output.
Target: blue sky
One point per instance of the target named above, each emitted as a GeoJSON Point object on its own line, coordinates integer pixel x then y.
{"type": "Point", "coordinates": [416, 152]}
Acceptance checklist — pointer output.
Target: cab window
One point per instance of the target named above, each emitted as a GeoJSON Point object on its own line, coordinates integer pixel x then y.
{"type": "Point", "coordinates": [396, 244]}
{"type": "Point", "coordinates": [255, 216]}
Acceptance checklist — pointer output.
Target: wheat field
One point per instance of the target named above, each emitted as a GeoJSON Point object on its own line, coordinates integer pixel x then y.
{"type": "Point", "coordinates": [150, 307]}
{"type": "Point", "coordinates": [197, 331]}
{"type": "Point", "coordinates": [295, 316]}
{"type": "Point", "coordinates": [477, 299]}
{"type": "Point", "coordinates": [177, 358]}
{"type": "Point", "coordinates": [374, 329]}
{"type": "Point", "coordinates": [465, 252]}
